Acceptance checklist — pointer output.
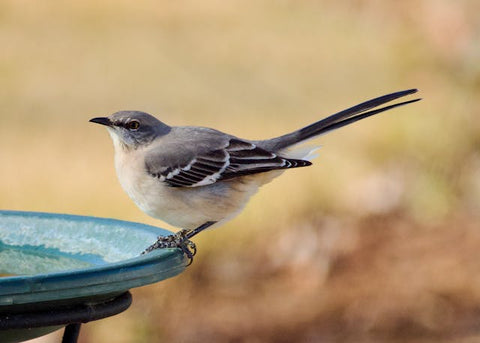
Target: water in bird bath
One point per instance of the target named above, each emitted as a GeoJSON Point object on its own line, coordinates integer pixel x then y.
{"type": "Point", "coordinates": [33, 243]}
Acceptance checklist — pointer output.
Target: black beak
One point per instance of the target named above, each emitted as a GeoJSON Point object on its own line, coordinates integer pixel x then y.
{"type": "Point", "coordinates": [102, 121]}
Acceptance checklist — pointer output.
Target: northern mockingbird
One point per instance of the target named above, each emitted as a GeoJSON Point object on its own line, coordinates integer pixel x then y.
{"type": "Point", "coordinates": [196, 177]}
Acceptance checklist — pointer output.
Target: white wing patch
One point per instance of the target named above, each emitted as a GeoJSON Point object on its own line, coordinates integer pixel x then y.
{"type": "Point", "coordinates": [237, 158]}
{"type": "Point", "coordinates": [213, 177]}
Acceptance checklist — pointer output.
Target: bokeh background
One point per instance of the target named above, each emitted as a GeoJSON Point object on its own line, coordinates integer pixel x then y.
{"type": "Point", "coordinates": [379, 241]}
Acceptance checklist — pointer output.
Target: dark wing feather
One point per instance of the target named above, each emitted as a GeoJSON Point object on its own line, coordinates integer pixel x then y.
{"type": "Point", "coordinates": [236, 158]}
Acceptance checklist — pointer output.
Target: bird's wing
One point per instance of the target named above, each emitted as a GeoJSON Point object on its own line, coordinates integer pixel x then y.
{"type": "Point", "coordinates": [203, 164]}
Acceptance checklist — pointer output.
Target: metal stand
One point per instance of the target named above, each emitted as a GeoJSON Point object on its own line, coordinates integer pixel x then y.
{"type": "Point", "coordinates": [72, 316]}
{"type": "Point", "coordinates": [71, 333]}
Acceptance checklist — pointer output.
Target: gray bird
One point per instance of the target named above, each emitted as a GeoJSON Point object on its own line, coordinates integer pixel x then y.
{"type": "Point", "coordinates": [196, 177]}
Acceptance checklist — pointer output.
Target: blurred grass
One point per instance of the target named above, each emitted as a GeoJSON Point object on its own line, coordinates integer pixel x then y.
{"type": "Point", "coordinates": [378, 241]}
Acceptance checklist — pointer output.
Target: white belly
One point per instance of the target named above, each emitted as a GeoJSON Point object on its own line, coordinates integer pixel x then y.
{"type": "Point", "coordinates": [185, 207]}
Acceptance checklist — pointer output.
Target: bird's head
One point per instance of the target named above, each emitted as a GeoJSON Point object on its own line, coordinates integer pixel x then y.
{"type": "Point", "coordinates": [132, 129]}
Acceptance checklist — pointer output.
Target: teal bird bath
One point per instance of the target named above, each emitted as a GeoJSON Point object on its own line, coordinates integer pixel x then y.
{"type": "Point", "coordinates": [57, 263]}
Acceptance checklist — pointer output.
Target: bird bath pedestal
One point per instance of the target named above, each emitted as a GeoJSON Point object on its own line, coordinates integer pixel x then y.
{"type": "Point", "coordinates": [61, 270]}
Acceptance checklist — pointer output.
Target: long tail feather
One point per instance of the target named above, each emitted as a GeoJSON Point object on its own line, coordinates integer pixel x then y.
{"type": "Point", "coordinates": [338, 120]}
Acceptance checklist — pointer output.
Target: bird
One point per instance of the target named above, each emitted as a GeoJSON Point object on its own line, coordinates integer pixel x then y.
{"type": "Point", "coordinates": [196, 178]}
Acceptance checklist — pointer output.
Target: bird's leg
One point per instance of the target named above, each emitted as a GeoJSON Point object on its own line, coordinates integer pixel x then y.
{"type": "Point", "coordinates": [180, 240]}
{"type": "Point", "coordinates": [199, 229]}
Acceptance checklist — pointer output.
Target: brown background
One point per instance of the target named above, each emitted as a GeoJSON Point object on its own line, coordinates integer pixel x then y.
{"type": "Point", "coordinates": [377, 242]}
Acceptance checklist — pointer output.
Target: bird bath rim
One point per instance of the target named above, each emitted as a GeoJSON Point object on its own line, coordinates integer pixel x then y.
{"type": "Point", "coordinates": [95, 275]}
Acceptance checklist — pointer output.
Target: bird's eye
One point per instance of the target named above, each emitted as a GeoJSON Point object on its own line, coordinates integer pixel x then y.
{"type": "Point", "coordinates": [133, 125]}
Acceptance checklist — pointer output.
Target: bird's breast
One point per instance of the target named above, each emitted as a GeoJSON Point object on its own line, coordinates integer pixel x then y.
{"type": "Point", "coordinates": [185, 207]}
{"type": "Point", "coordinates": [133, 177]}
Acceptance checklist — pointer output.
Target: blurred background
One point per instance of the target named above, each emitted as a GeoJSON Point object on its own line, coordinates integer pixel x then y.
{"type": "Point", "coordinates": [379, 241]}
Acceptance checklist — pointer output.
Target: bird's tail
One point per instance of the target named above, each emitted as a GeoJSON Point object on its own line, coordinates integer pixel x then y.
{"type": "Point", "coordinates": [338, 120]}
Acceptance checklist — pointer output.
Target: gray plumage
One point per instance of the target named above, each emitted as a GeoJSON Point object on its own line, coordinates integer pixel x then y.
{"type": "Point", "coordinates": [206, 156]}
{"type": "Point", "coordinates": [188, 176]}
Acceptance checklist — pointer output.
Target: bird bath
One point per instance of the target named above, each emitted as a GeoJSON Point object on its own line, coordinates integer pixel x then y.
{"type": "Point", "coordinates": [56, 266]}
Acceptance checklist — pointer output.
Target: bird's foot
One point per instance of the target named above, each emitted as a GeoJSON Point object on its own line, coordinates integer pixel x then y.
{"type": "Point", "coordinates": [178, 240]}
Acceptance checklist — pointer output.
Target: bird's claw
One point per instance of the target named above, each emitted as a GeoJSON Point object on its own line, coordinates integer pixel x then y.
{"type": "Point", "coordinates": [177, 240]}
